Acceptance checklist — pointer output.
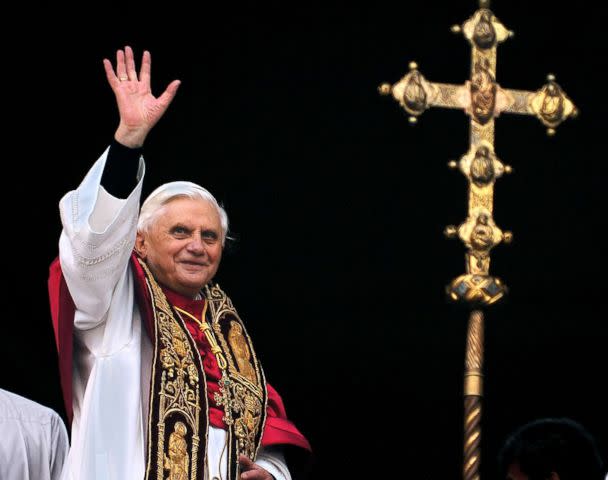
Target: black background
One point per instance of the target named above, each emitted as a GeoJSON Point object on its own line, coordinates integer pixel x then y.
{"type": "Point", "coordinates": [338, 207]}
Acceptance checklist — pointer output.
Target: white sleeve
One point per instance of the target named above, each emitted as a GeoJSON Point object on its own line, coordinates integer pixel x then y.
{"type": "Point", "coordinates": [272, 460]}
{"type": "Point", "coordinates": [59, 446]}
{"type": "Point", "coordinates": [96, 242]}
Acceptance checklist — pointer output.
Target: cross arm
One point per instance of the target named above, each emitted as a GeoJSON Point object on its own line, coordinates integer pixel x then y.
{"type": "Point", "coordinates": [416, 94]}
{"type": "Point", "coordinates": [549, 104]}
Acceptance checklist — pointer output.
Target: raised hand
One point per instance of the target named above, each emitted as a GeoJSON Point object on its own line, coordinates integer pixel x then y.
{"type": "Point", "coordinates": [139, 110]}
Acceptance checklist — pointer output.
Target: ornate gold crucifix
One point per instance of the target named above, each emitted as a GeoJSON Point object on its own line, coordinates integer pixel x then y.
{"type": "Point", "coordinates": [483, 99]}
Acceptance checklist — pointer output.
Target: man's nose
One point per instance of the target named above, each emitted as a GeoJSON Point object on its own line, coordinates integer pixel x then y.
{"type": "Point", "coordinates": [196, 245]}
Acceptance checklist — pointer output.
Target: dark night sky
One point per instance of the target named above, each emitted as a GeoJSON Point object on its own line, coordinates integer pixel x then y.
{"type": "Point", "coordinates": [338, 207]}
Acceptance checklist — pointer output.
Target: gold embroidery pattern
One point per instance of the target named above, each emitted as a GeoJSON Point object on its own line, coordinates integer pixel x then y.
{"type": "Point", "coordinates": [179, 388]}
{"type": "Point", "coordinates": [242, 387]}
{"type": "Point", "coordinates": [249, 409]}
{"type": "Point", "coordinates": [178, 460]}
{"type": "Point", "coordinates": [221, 308]}
{"type": "Point", "coordinates": [179, 391]}
{"type": "Point", "coordinates": [241, 351]}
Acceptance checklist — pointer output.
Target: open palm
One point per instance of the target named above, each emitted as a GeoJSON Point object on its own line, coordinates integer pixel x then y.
{"type": "Point", "coordinates": [139, 109]}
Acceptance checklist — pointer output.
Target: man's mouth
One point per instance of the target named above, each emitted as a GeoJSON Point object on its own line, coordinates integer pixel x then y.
{"type": "Point", "coordinates": [194, 263]}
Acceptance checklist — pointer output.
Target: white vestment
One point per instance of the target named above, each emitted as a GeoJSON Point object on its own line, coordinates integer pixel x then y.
{"type": "Point", "coordinates": [112, 353]}
{"type": "Point", "coordinates": [33, 440]}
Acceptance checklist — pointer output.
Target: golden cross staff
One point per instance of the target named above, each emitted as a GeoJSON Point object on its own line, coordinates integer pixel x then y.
{"type": "Point", "coordinates": [483, 99]}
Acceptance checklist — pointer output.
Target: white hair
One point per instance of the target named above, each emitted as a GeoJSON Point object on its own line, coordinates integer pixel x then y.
{"type": "Point", "coordinates": [169, 191]}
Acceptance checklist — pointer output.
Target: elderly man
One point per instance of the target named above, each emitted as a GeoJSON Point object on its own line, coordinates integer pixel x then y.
{"type": "Point", "coordinates": [163, 378]}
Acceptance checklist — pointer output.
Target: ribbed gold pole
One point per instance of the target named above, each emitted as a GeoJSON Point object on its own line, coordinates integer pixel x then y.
{"type": "Point", "coordinates": [473, 391]}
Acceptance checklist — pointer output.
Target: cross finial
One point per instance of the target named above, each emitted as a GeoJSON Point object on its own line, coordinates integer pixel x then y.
{"type": "Point", "coordinates": [483, 99]}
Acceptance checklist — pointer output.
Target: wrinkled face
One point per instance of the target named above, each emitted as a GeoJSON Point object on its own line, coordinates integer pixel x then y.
{"type": "Point", "coordinates": [183, 245]}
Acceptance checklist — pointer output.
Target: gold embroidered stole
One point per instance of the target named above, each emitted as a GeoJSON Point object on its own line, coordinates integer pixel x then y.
{"type": "Point", "coordinates": [179, 412]}
{"type": "Point", "coordinates": [243, 385]}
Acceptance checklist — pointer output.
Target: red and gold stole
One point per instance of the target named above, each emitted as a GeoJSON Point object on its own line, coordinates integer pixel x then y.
{"type": "Point", "coordinates": [179, 417]}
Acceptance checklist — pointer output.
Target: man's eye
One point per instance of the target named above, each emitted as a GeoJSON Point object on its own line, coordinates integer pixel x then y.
{"type": "Point", "coordinates": [210, 236]}
{"type": "Point", "coordinates": [179, 231]}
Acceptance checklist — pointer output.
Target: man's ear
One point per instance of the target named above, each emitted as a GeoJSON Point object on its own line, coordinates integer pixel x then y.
{"type": "Point", "coordinates": [141, 246]}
